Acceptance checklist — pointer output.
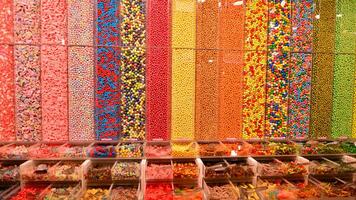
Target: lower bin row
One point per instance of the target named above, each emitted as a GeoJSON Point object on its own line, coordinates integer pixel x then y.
{"type": "Point", "coordinates": [334, 188]}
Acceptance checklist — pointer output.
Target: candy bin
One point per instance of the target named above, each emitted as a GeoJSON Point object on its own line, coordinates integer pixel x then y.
{"type": "Point", "coordinates": [238, 148]}
{"type": "Point", "coordinates": [44, 150]}
{"type": "Point", "coordinates": [278, 147]}
{"type": "Point", "coordinates": [61, 192]}
{"type": "Point", "coordinates": [162, 191]}
{"type": "Point", "coordinates": [74, 150]}
{"type": "Point", "coordinates": [126, 170]}
{"type": "Point", "coordinates": [96, 171]}
{"type": "Point", "coordinates": [246, 190]}
{"type": "Point", "coordinates": [219, 191]}
{"type": "Point", "coordinates": [306, 190]}
{"type": "Point", "coordinates": [340, 166]}
{"type": "Point", "coordinates": [242, 168]}
{"type": "Point", "coordinates": [287, 167]}
{"type": "Point", "coordinates": [215, 169]}
{"type": "Point", "coordinates": [127, 192]}
{"type": "Point", "coordinates": [34, 170]}
{"type": "Point", "coordinates": [96, 193]}
{"type": "Point", "coordinates": [260, 148]}
{"type": "Point", "coordinates": [276, 189]}
{"type": "Point", "coordinates": [18, 151]}
{"type": "Point", "coordinates": [335, 188]}
{"type": "Point", "coordinates": [67, 171]}
{"type": "Point", "coordinates": [185, 170]}
{"type": "Point", "coordinates": [159, 170]}
{"type": "Point", "coordinates": [102, 150]}
{"type": "Point", "coordinates": [9, 171]}
{"type": "Point", "coordinates": [321, 147]}
{"type": "Point", "coordinates": [184, 148]}
{"type": "Point", "coordinates": [187, 192]}
{"type": "Point", "coordinates": [158, 149]}
{"type": "Point", "coordinates": [349, 147]}
{"type": "Point", "coordinates": [129, 149]}
{"type": "Point", "coordinates": [212, 148]}
{"type": "Point", "coordinates": [28, 192]}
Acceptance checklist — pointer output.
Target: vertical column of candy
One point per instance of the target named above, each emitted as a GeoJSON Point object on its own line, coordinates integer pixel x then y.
{"type": "Point", "coordinates": [345, 45]}
{"type": "Point", "coordinates": [207, 33]}
{"type": "Point", "coordinates": [278, 67]}
{"type": "Point", "coordinates": [81, 96]}
{"type": "Point", "coordinates": [323, 62]}
{"type": "Point", "coordinates": [345, 27]}
{"type": "Point", "coordinates": [158, 74]}
{"type": "Point", "coordinates": [302, 25]}
{"type": "Point", "coordinates": [54, 71]}
{"type": "Point", "coordinates": [133, 65]}
{"type": "Point", "coordinates": [81, 70]}
{"type": "Point", "coordinates": [28, 92]}
{"type": "Point", "coordinates": [299, 94]}
{"type": "Point", "coordinates": [183, 68]}
{"type": "Point", "coordinates": [231, 41]}
{"type": "Point", "coordinates": [354, 109]}
{"type": "Point", "coordinates": [7, 93]}
{"type": "Point", "coordinates": [80, 22]}
{"type": "Point", "coordinates": [27, 22]}
{"type": "Point", "coordinates": [6, 22]}
{"type": "Point", "coordinates": [107, 88]}
{"type": "Point", "coordinates": [254, 71]}
{"type": "Point", "coordinates": [343, 92]}
{"type": "Point", "coordinates": [300, 69]}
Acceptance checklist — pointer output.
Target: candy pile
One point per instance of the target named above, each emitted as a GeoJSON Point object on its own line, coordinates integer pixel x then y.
{"type": "Point", "coordinates": [96, 194]}
{"type": "Point", "coordinates": [221, 192]}
{"type": "Point", "coordinates": [315, 147]}
{"type": "Point", "coordinates": [67, 171]}
{"type": "Point", "coordinates": [129, 150]}
{"type": "Point", "coordinates": [216, 170]}
{"type": "Point", "coordinates": [337, 189]}
{"type": "Point", "coordinates": [247, 191]}
{"type": "Point", "coordinates": [159, 191]}
{"type": "Point", "coordinates": [307, 191]}
{"type": "Point", "coordinates": [322, 168]}
{"type": "Point", "coordinates": [240, 171]}
{"type": "Point", "coordinates": [187, 170]}
{"type": "Point", "coordinates": [213, 149]}
{"type": "Point", "coordinates": [277, 190]}
{"type": "Point", "coordinates": [14, 152]}
{"type": "Point", "coordinates": [9, 172]}
{"type": "Point", "coordinates": [60, 193]}
{"type": "Point", "coordinates": [279, 148]}
{"type": "Point", "coordinates": [127, 193]}
{"type": "Point", "coordinates": [260, 149]}
{"type": "Point", "coordinates": [348, 147]}
{"type": "Point", "coordinates": [158, 151]}
{"type": "Point", "coordinates": [159, 171]}
{"type": "Point", "coordinates": [99, 172]}
{"type": "Point", "coordinates": [240, 148]}
{"type": "Point", "coordinates": [44, 151]}
{"type": "Point", "coordinates": [126, 171]}
{"type": "Point", "coordinates": [272, 169]}
{"type": "Point", "coordinates": [101, 151]}
{"type": "Point", "coordinates": [187, 193]}
{"type": "Point", "coordinates": [294, 168]}
{"type": "Point", "coordinates": [69, 151]}
{"type": "Point", "coordinates": [184, 149]}
{"type": "Point", "coordinates": [29, 193]}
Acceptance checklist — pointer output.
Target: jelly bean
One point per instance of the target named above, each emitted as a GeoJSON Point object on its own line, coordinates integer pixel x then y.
{"type": "Point", "coordinates": [133, 150]}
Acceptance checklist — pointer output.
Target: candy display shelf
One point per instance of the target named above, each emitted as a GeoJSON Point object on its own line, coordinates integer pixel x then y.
{"type": "Point", "coordinates": [180, 167]}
